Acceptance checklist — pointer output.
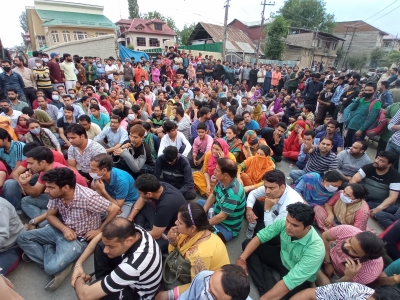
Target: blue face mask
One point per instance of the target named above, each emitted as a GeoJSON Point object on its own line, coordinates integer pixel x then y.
{"type": "Point", "coordinates": [255, 141]}
{"type": "Point", "coordinates": [35, 131]}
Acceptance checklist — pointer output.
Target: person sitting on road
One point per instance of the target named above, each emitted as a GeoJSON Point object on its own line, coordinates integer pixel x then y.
{"type": "Point", "coordinates": [115, 135]}
{"type": "Point", "coordinates": [175, 169]}
{"type": "Point", "coordinates": [173, 137]}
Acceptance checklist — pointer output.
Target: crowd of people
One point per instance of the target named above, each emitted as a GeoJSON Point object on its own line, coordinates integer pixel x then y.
{"type": "Point", "coordinates": [152, 166]}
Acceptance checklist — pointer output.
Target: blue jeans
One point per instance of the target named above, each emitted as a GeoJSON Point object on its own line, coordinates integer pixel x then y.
{"type": "Point", "coordinates": [296, 174]}
{"type": "Point", "coordinates": [387, 216]}
{"type": "Point", "coordinates": [228, 235]}
{"type": "Point", "coordinates": [12, 193]}
{"type": "Point", "coordinates": [9, 260]}
{"type": "Point", "coordinates": [207, 79]}
{"type": "Point", "coordinates": [48, 248]}
{"type": "Point", "coordinates": [392, 147]}
{"type": "Point", "coordinates": [301, 164]}
{"type": "Point", "coordinates": [34, 207]}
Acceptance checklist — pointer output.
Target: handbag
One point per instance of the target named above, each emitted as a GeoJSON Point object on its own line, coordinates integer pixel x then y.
{"type": "Point", "coordinates": [176, 270]}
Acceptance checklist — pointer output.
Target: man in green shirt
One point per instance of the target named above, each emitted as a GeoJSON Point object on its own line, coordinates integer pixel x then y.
{"type": "Point", "coordinates": [229, 198]}
{"type": "Point", "coordinates": [297, 259]}
{"type": "Point", "coordinates": [293, 81]}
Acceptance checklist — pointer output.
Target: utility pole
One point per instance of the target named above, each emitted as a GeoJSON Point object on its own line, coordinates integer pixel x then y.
{"type": "Point", "coordinates": [351, 41]}
{"type": "Point", "coordinates": [225, 30]}
{"type": "Point", "coordinates": [262, 27]}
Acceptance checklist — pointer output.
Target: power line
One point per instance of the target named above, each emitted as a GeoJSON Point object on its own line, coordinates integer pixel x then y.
{"type": "Point", "coordinates": [262, 27]}
{"type": "Point", "coordinates": [386, 14]}
{"type": "Point", "coordinates": [376, 13]}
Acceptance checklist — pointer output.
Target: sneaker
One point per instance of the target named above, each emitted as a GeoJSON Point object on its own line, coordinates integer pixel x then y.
{"type": "Point", "coordinates": [26, 258]}
{"type": "Point", "coordinates": [58, 279]}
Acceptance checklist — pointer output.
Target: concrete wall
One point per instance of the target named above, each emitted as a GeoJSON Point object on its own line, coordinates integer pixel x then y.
{"type": "Point", "coordinates": [103, 46]}
{"type": "Point", "coordinates": [91, 32]}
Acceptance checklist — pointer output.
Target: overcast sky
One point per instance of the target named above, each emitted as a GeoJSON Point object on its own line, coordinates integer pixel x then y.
{"type": "Point", "coordinates": [212, 11]}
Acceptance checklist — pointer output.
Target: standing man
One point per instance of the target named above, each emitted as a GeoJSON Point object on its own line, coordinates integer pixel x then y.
{"type": "Point", "coordinates": [91, 70]}
{"type": "Point", "coordinates": [312, 90]}
{"type": "Point", "coordinates": [68, 68]}
{"type": "Point", "coordinates": [11, 80]}
{"type": "Point", "coordinates": [56, 75]}
{"type": "Point", "coordinates": [110, 69]}
{"type": "Point", "coordinates": [42, 76]}
{"type": "Point", "coordinates": [55, 247]}
{"type": "Point", "coordinates": [27, 77]}
{"type": "Point", "coordinates": [297, 260]}
{"type": "Point", "coordinates": [384, 95]}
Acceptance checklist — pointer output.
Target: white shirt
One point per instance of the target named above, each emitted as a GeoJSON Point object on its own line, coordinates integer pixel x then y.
{"type": "Point", "coordinates": [278, 211]}
{"type": "Point", "coordinates": [179, 141]}
{"type": "Point", "coordinates": [110, 68]}
{"type": "Point", "coordinates": [13, 117]}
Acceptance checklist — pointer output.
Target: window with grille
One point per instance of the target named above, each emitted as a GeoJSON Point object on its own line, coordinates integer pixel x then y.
{"type": "Point", "coordinates": [101, 33]}
{"type": "Point", "coordinates": [41, 41]}
{"type": "Point", "coordinates": [128, 41]}
{"type": "Point", "coordinates": [66, 36]}
{"type": "Point", "coordinates": [141, 41]}
{"type": "Point", "coordinates": [54, 34]}
{"type": "Point", "coordinates": [158, 26]}
{"type": "Point", "coordinates": [154, 42]}
{"type": "Point", "coordinates": [80, 35]}
{"type": "Point", "coordinates": [386, 44]}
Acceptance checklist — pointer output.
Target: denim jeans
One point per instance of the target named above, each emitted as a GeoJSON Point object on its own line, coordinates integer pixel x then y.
{"type": "Point", "coordinates": [228, 235]}
{"type": "Point", "coordinates": [49, 249]}
{"type": "Point", "coordinates": [12, 193]}
{"type": "Point", "coordinates": [207, 79]}
{"type": "Point", "coordinates": [301, 164]}
{"type": "Point", "coordinates": [387, 216]}
{"type": "Point", "coordinates": [9, 260]}
{"type": "Point", "coordinates": [392, 147]}
{"type": "Point", "coordinates": [296, 174]}
{"type": "Point", "coordinates": [34, 207]}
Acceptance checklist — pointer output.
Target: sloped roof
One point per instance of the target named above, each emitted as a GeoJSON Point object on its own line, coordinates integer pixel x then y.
{"type": "Point", "coordinates": [134, 23]}
{"type": "Point", "coordinates": [237, 40]}
{"type": "Point", "coordinates": [391, 37]}
{"type": "Point", "coordinates": [253, 23]}
{"type": "Point", "coordinates": [66, 18]}
{"type": "Point", "coordinates": [360, 25]}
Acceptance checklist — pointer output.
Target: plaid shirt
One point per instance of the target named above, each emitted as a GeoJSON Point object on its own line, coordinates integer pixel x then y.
{"type": "Point", "coordinates": [83, 213]}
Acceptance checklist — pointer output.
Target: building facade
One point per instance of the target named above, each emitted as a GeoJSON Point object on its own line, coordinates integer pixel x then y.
{"type": "Point", "coordinates": [54, 22]}
{"type": "Point", "coordinates": [145, 34]}
{"type": "Point", "coordinates": [390, 43]}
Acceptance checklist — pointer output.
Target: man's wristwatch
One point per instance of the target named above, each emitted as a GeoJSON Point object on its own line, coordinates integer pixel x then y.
{"type": "Point", "coordinates": [32, 222]}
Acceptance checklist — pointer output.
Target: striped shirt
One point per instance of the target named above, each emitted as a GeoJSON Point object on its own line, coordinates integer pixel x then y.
{"type": "Point", "coordinates": [396, 135]}
{"type": "Point", "coordinates": [370, 269]}
{"type": "Point", "coordinates": [14, 154]}
{"type": "Point", "coordinates": [42, 76]}
{"type": "Point", "coordinates": [321, 163]}
{"type": "Point", "coordinates": [140, 269]}
{"type": "Point", "coordinates": [232, 201]}
{"type": "Point", "coordinates": [343, 290]}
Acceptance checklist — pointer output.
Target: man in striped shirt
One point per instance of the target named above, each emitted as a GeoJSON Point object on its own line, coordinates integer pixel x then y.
{"type": "Point", "coordinates": [42, 77]}
{"type": "Point", "coordinates": [321, 160]}
{"type": "Point", "coordinates": [393, 144]}
{"type": "Point", "coordinates": [127, 262]}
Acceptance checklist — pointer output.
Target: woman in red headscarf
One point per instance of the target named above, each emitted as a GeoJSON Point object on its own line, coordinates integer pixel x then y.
{"type": "Point", "coordinates": [292, 144]}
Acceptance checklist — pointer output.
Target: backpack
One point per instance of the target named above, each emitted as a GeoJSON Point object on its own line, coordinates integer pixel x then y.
{"type": "Point", "coordinates": [380, 123]}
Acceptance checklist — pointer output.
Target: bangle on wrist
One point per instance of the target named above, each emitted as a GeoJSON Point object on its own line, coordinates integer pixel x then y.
{"type": "Point", "coordinates": [65, 227]}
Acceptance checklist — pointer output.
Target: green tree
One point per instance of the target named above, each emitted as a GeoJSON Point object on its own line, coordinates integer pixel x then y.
{"type": "Point", "coordinates": [376, 55]}
{"type": "Point", "coordinates": [184, 34]}
{"type": "Point", "coordinates": [133, 8]}
{"type": "Point", "coordinates": [156, 15]}
{"type": "Point", "coordinates": [23, 23]}
{"type": "Point", "coordinates": [339, 55]}
{"type": "Point", "coordinates": [357, 61]}
{"type": "Point", "coordinates": [393, 57]}
{"type": "Point", "coordinates": [276, 33]}
{"type": "Point", "coordinates": [310, 14]}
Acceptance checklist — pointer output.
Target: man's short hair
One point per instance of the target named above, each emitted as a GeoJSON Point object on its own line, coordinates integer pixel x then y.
{"type": "Point", "coordinates": [169, 125]}
{"type": "Point", "coordinates": [238, 119]}
{"type": "Point", "coordinates": [385, 83]}
{"type": "Point", "coordinates": [119, 228]}
{"type": "Point", "coordinates": [364, 144]}
{"type": "Point", "coordinates": [275, 176]}
{"type": "Point", "coordinates": [5, 135]}
{"type": "Point", "coordinates": [227, 166]}
{"type": "Point", "coordinates": [170, 153]}
{"type": "Point", "coordinates": [147, 183]}
{"type": "Point", "coordinates": [115, 117]}
{"type": "Point", "coordinates": [138, 129]}
{"type": "Point", "coordinates": [235, 282]}
{"type": "Point", "coordinates": [282, 124]}
{"type": "Point", "coordinates": [310, 133]}
{"type": "Point", "coordinates": [85, 118]}
{"type": "Point", "coordinates": [41, 153]}
{"type": "Point", "coordinates": [302, 213]}
{"type": "Point", "coordinates": [334, 123]}
{"type": "Point", "coordinates": [179, 111]}
{"type": "Point", "coordinates": [28, 147]}
{"type": "Point", "coordinates": [77, 129]}
{"type": "Point", "coordinates": [390, 156]}
{"type": "Point", "coordinates": [371, 244]}
{"type": "Point", "coordinates": [104, 161]}
{"type": "Point", "coordinates": [204, 111]}
{"type": "Point", "coordinates": [61, 177]}
{"type": "Point", "coordinates": [69, 108]}
{"type": "Point", "coordinates": [232, 109]}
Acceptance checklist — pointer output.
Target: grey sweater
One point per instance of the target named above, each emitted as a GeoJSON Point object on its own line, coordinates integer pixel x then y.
{"type": "Point", "coordinates": [10, 225]}
{"type": "Point", "coordinates": [348, 165]}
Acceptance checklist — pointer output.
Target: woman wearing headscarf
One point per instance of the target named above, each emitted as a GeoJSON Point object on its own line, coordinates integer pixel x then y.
{"type": "Point", "coordinates": [275, 108]}
{"type": "Point", "coordinates": [273, 121]}
{"type": "Point", "coordinates": [103, 104]}
{"type": "Point", "coordinates": [251, 142]}
{"type": "Point", "coordinates": [291, 148]}
{"type": "Point", "coordinates": [5, 123]}
{"type": "Point", "coordinates": [204, 180]}
{"type": "Point", "coordinates": [253, 168]}
{"type": "Point", "coordinates": [235, 144]}
{"type": "Point", "coordinates": [251, 92]}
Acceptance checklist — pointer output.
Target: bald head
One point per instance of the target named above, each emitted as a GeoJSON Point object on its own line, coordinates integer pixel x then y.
{"type": "Point", "coordinates": [119, 228]}
{"type": "Point", "coordinates": [227, 166]}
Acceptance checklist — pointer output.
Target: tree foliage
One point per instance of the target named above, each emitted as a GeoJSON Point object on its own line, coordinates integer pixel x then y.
{"type": "Point", "coordinates": [357, 61]}
{"type": "Point", "coordinates": [184, 34]}
{"type": "Point", "coordinates": [339, 55]}
{"type": "Point", "coordinates": [310, 14]}
{"type": "Point", "coordinates": [376, 55]}
{"type": "Point", "coordinates": [393, 57]}
{"type": "Point", "coordinates": [276, 33]}
{"type": "Point", "coordinates": [23, 21]}
{"type": "Point", "coordinates": [133, 8]}
{"type": "Point", "coordinates": [156, 15]}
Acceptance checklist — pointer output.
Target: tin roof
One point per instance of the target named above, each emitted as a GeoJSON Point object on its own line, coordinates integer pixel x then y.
{"type": "Point", "coordinates": [142, 25]}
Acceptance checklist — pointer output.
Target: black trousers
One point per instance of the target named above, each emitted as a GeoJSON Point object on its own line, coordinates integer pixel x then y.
{"type": "Point", "coordinates": [30, 94]}
{"type": "Point", "coordinates": [352, 138]}
{"type": "Point", "coordinates": [103, 266]}
{"type": "Point", "coordinates": [145, 218]}
{"type": "Point", "coordinates": [258, 210]}
{"type": "Point", "coordinates": [262, 262]}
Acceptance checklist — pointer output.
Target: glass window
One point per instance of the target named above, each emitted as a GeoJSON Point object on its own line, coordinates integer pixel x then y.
{"type": "Point", "coordinates": [80, 35]}
{"type": "Point", "coordinates": [54, 34]}
{"type": "Point", "coordinates": [66, 36]}
{"type": "Point", "coordinates": [41, 41]}
{"type": "Point", "coordinates": [141, 41]}
{"type": "Point", "coordinates": [128, 41]}
{"type": "Point", "coordinates": [101, 33]}
{"type": "Point", "coordinates": [158, 26]}
{"type": "Point", "coordinates": [154, 42]}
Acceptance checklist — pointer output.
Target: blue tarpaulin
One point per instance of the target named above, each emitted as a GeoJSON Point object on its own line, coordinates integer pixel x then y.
{"type": "Point", "coordinates": [126, 52]}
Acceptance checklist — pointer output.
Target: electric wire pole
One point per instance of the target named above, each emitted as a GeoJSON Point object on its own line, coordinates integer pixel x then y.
{"type": "Point", "coordinates": [262, 27]}
{"type": "Point", "coordinates": [225, 30]}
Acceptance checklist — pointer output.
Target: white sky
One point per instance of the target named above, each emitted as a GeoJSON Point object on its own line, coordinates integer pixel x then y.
{"type": "Point", "coordinates": [212, 11]}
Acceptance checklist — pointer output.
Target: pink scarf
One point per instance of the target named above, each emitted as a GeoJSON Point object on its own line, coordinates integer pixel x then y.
{"type": "Point", "coordinates": [212, 162]}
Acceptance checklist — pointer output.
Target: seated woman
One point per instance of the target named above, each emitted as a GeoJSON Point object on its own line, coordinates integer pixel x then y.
{"type": "Point", "coordinates": [43, 136]}
{"type": "Point", "coordinates": [235, 144]}
{"type": "Point", "coordinates": [346, 207]}
{"type": "Point", "coordinates": [275, 108]}
{"type": "Point", "coordinates": [152, 140]}
{"type": "Point", "coordinates": [204, 180]}
{"type": "Point", "coordinates": [293, 143]}
{"type": "Point", "coordinates": [102, 108]}
{"type": "Point", "coordinates": [251, 142]}
{"type": "Point", "coordinates": [253, 169]}
{"type": "Point", "coordinates": [317, 190]}
{"type": "Point", "coordinates": [5, 123]}
{"type": "Point", "coordinates": [194, 237]}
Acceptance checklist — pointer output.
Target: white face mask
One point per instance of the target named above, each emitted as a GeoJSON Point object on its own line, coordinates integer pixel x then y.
{"type": "Point", "coordinates": [45, 59]}
{"type": "Point", "coordinates": [131, 117]}
{"type": "Point", "coordinates": [331, 188]}
{"type": "Point", "coordinates": [346, 199]}
{"type": "Point", "coordinates": [38, 65]}
{"type": "Point", "coordinates": [95, 176]}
